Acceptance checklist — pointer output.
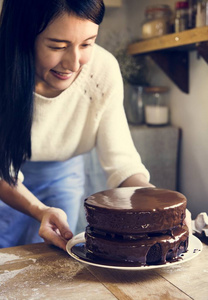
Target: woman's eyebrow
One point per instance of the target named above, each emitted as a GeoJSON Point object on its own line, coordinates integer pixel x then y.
{"type": "Point", "coordinates": [66, 41]}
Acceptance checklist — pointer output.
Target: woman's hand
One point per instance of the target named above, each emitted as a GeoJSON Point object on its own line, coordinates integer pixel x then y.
{"type": "Point", "coordinates": [136, 180]}
{"type": "Point", "coordinates": [54, 228]}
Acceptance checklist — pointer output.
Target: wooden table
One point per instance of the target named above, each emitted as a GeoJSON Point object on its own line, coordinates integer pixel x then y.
{"type": "Point", "coordinates": [40, 271]}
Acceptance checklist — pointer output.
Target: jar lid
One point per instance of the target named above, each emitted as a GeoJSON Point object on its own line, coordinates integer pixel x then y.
{"type": "Point", "coordinates": [158, 8]}
{"type": "Point", "coordinates": [182, 4]}
{"type": "Point", "coordinates": [156, 89]}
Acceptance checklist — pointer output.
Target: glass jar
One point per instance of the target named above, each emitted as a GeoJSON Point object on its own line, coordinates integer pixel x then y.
{"type": "Point", "coordinates": [156, 106]}
{"type": "Point", "coordinates": [157, 21]}
{"type": "Point", "coordinates": [133, 104]}
{"type": "Point", "coordinates": [182, 16]}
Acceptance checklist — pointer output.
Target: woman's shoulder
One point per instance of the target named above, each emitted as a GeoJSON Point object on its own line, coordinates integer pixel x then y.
{"type": "Point", "coordinates": [104, 65]}
{"type": "Point", "coordinates": [102, 58]}
{"type": "Point", "coordinates": [103, 54]}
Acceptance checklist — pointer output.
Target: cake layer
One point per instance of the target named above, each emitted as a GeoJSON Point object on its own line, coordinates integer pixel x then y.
{"type": "Point", "coordinates": [135, 210]}
{"type": "Point", "coordinates": [148, 249]}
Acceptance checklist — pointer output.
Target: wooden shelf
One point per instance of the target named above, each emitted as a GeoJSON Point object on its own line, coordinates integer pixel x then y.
{"type": "Point", "coordinates": [170, 52]}
{"type": "Point", "coordinates": [172, 40]}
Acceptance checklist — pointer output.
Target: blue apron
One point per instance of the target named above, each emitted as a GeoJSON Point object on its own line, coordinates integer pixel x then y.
{"type": "Point", "coordinates": [57, 184]}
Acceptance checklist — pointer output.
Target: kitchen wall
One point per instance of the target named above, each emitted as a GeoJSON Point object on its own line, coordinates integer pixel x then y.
{"type": "Point", "coordinates": [188, 111]}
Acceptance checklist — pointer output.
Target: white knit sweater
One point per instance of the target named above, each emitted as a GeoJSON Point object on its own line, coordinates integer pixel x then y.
{"type": "Point", "coordinates": [88, 114]}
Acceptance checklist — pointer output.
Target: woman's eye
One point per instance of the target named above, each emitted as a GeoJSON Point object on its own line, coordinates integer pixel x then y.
{"type": "Point", "coordinates": [58, 48]}
{"type": "Point", "coordinates": [86, 45]}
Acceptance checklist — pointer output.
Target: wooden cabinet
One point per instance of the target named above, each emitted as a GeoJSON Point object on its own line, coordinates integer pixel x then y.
{"type": "Point", "coordinates": [170, 52]}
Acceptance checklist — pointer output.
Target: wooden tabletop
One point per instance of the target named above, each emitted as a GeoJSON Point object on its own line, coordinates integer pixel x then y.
{"type": "Point", "coordinates": [40, 271]}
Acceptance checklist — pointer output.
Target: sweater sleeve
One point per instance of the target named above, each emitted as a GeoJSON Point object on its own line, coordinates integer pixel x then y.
{"type": "Point", "coordinates": [116, 151]}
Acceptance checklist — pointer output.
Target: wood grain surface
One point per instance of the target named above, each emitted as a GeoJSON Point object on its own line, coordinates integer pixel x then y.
{"type": "Point", "coordinates": [40, 271]}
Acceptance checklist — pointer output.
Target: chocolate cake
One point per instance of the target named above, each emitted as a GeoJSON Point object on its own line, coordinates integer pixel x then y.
{"type": "Point", "coordinates": [136, 225]}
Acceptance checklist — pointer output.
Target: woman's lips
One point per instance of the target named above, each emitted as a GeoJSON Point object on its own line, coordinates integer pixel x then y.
{"type": "Point", "coordinates": [61, 75]}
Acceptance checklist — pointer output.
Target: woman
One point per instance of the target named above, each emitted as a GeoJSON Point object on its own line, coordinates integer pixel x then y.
{"type": "Point", "coordinates": [61, 95]}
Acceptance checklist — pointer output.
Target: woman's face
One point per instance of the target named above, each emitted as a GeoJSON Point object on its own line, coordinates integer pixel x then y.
{"type": "Point", "coordinates": [61, 50]}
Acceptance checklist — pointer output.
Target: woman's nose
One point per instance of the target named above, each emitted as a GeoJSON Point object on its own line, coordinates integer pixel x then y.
{"type": "Point", "coordinates": [71, 60]}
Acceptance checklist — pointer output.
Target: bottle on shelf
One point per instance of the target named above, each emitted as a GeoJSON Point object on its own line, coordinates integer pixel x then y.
{"type": "Point", "coordinates": [202, 13]}
{"type": "Point", "coordinates": [192, 13]}
{"type": "Point", "coordinates": [181, 16]}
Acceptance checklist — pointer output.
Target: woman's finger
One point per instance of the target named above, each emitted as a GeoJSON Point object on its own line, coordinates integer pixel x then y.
{"type": "Point", "coordinates": [54, 228]}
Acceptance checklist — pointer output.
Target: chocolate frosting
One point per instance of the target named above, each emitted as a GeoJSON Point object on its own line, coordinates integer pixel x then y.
{"type": "Point", "coordinates": [134, 210]}
{"type": "Point", "coordinates": [164, 246]}
{"type": "Point", "coordinates": [136, 199]}
{"type": "Point", "coordinates": [142, 225]}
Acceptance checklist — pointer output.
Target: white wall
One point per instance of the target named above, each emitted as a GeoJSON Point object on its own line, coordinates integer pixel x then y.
{"type": "Point", "coordinates": [188, 111]}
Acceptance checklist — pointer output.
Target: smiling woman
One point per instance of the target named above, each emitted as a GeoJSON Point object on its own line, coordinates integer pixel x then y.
{"type": "Point", "coordinates": [61, 51]}
{"type": "Point", "coordinates": [61, 95]}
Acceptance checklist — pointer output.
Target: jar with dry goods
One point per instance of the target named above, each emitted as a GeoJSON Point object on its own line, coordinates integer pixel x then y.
{"type": "Point", "coordinates": [156, 106]}
{"type": "Point", "coordinates": [157, 21]}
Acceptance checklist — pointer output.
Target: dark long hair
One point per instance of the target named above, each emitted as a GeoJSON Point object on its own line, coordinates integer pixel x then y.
{"type": "Point", "coordinates": [20, 23]}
